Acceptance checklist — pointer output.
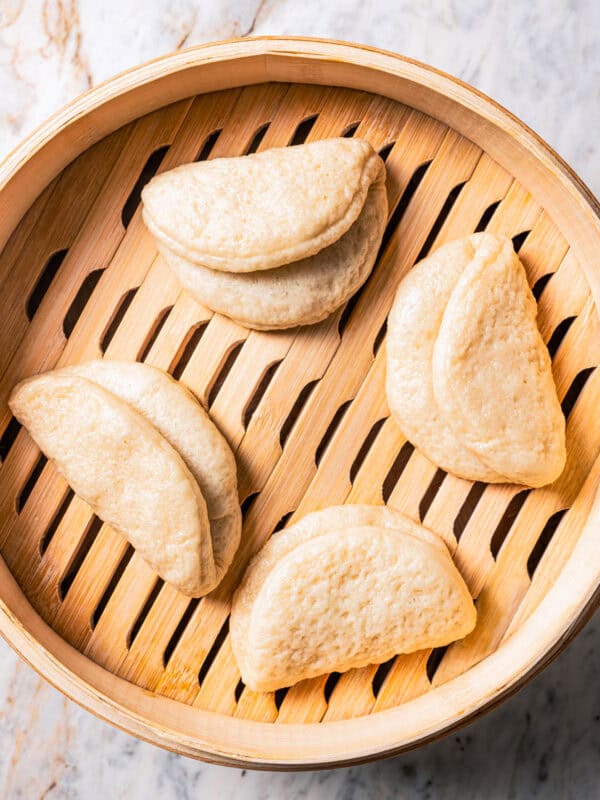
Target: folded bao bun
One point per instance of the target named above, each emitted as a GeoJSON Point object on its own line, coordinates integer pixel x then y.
{"type": "Point", "coordinates": [469, 379]}
{"type": "Point", "coordinates": [300, 293]}
{"type": "Point", "coordinates": [139, 448]}
{"type": "Point", "coordinates": [264, 210]}
{"type": "Point", "coordinates": [343, 588]}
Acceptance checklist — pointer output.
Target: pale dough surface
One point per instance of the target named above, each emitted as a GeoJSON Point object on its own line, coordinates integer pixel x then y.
{"type": "Point", "coordinates": [300, 293]}
{"type": "Point", "coordinates": [125, 469]}
{"type": "Point", "coordinates": [493, 375]}
{"type": "Point", "coordinates": [462, 333]}
{"type": "Point", "coordinates": [181, 419]}
{"type": "Point", "coordinates": [263, 210]}
{"type": "Point", "coordinates": [342, 588]}
{"type": "Point", "coordinates": [413, 327]}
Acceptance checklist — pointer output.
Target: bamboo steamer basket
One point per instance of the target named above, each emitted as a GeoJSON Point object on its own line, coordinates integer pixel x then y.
{"type": "Point", "coordinates": [304, 410]}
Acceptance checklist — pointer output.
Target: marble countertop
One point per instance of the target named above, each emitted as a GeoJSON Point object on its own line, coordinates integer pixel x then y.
{"type": "Point", "coordinates": [541, 59]}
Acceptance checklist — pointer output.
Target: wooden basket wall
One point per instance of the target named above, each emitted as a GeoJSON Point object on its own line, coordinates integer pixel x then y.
{"type": "Point", "coordinates": [304, 410]}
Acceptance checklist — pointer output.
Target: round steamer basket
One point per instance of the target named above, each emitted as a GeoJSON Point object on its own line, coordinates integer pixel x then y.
{"type": "Point", "coordinates": [304, 410]}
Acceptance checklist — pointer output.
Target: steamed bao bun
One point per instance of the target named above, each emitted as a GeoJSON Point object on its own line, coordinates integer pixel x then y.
{"type": "Point", "coordinates": [342, 588]}
{"type": "Point", "coordinates": [142, 452]}
{"type": "Point", "coordinates": [273, 239]}
{"type": "Point", "coordinates": [469, 379]}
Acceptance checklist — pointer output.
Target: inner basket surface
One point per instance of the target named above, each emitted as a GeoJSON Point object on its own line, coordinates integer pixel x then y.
{"type": "Point", "coordinates": [304, 410]}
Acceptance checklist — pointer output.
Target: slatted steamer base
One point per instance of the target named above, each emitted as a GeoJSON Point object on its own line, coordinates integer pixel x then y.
{"type": "Point", "coordinates": [304, 410]}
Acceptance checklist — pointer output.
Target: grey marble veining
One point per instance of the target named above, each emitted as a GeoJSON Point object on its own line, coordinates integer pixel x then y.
{"type": "Point", "coordinates": [541, 59]}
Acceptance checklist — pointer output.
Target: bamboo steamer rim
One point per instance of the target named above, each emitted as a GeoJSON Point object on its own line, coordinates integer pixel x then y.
{"type": "Point", "coordinates": [237, 742]}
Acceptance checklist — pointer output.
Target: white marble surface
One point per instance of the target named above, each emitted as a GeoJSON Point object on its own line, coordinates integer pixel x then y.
{"type": "Point", "coordinates": [542, 60]}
